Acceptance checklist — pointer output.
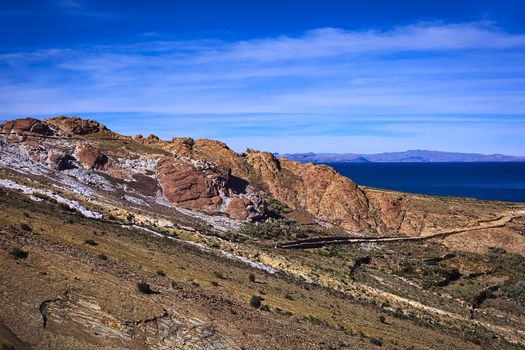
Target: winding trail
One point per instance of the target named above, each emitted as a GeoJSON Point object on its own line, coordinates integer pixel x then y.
{"type": "Point", "coordinates": [325, 241]}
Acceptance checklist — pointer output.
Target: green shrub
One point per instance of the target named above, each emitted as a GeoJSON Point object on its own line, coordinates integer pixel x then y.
{"type": "Point", "coordinates": [214, 283]}
{"type": "Point", "coordinates": [102, 257]}
{"type": "Point", "coordinates": [161, 273]}
{"type": "Point", "coordinates": [251, 278]}
{"type": "Point", "coordinates": [90, 242]}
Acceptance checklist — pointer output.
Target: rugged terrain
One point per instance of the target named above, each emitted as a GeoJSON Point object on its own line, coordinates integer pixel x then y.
{"type": "Point", "coordinates": [135, 242]}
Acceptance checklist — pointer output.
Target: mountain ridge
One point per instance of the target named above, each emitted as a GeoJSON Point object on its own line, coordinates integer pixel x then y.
{"type": "Point", "coordinates": [406, 156]}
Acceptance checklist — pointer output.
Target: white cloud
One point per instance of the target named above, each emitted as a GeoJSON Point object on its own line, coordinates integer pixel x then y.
{"type": "Point", "coordinates": [422, 69]}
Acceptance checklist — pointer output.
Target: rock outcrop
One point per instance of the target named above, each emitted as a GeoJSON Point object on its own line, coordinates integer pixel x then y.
{"type": "Point", "coordinates": [31, 125]}
{"type": "Point", "coordinates": [76, 126]}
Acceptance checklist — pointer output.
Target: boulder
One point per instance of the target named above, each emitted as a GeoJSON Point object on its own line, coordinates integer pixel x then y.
{"type": "Point", "coordinates": [91, 157]}
{"type": "Point", "coordinates": [240, 208]}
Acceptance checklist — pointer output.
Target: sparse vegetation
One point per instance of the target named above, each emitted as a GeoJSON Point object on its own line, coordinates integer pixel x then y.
{"type": "Point", "coordinates": [270, 229]}
{"type": "Point", "coordinates": [161, 273]}
{"type": "Point", "coordinates": [275, 209]}
{"type": "Point", "coordinates": [102, 257]}
{"type": "Point", "coordinates": [214, 283]}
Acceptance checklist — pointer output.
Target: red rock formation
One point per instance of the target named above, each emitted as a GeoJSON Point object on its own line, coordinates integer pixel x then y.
{"type": "Point", "coordinates": [91, 157]}
{"type": "Point", "coordinates": [239, 208]}
{"type": "Point", "coordinates": [184, 184]}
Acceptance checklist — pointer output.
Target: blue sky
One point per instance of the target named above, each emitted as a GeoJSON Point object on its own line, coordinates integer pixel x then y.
{"type": "Point", "coordinates": [284, 76]}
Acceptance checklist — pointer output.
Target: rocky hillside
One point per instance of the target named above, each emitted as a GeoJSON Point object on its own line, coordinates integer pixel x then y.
{"type": "Point", "coordinates": [112, 241]}
{"type": "Point", "coordinates": [206, 180]}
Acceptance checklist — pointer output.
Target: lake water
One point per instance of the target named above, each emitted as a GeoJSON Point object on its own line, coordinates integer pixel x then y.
{"type": "Point", "coordinates": [494, 181]}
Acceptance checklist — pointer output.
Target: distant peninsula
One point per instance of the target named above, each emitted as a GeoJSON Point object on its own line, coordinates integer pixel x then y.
{"type": "Point", "coordinates": [411, 156]}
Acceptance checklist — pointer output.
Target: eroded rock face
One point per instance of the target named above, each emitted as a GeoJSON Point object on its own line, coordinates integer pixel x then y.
{"type": "Point", "coordinates": [318, 189]}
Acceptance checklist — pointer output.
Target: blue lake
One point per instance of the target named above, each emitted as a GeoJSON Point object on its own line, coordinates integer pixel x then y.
{"type": "Point", "coordinates": [493, 181]}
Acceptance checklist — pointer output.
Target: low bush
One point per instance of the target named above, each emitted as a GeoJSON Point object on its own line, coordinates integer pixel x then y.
{"type": "Point", "coordinates": [145, 288]}
{"type": "Point", "coordinates": [251, 277]}
{"type": "Point", "coordinates": [102, 257]}
{"type": "Point", "coordinates": [90, 242]}
{"type": "Point", "coordinates": [18, 253]}
{"type": "Point", "coordinates": [359, 261]}
{"type": "Point", "coordinates": [256, 301]}
{"type": "Point", "coordinates": [161, 273]}
{"type": "Point", "coordinates": [376, 341]}
{"type": "Point", "coordinates": [25, 227]}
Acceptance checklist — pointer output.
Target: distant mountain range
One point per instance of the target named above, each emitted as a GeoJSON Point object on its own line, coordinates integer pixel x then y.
{"type": "Point", "coordinates": [411, 156]}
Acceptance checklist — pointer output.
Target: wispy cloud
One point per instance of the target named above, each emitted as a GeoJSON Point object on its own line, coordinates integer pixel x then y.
{"type": "Point", "coordinates": [463, 70]}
